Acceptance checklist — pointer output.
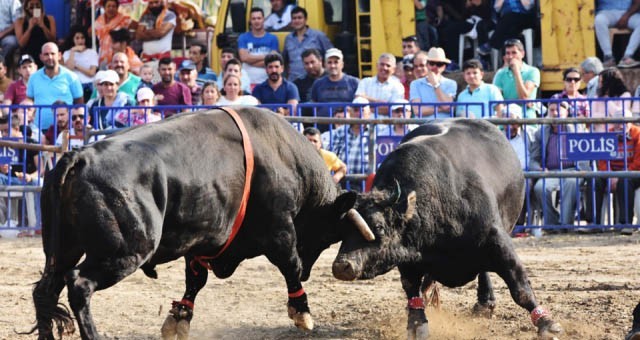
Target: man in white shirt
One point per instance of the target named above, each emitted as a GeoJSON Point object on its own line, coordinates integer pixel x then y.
{"type": "Point", "coordinates": [280, 17]}
{"type": "Point", "coordinates": [156, 33]}
{"type": "Point", "coordinates": [382, 88]}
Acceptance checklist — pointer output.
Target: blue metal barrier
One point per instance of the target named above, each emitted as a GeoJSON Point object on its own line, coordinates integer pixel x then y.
{"type": "Point", "coordinates": [352, 143]}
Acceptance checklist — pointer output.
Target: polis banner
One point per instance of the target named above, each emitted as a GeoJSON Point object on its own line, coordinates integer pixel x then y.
{"type": "Point", "coordinates": [592, 146]}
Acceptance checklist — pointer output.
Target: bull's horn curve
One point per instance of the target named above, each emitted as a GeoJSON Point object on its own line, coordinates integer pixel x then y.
{"type": "Point", "coordinates": [354, 216]}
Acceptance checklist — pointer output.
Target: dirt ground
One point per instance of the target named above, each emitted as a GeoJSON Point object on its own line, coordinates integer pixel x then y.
{"type": "Point", "coordinates": [590, 282]}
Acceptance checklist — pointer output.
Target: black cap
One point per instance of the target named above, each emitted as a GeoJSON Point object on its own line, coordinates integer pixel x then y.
{"type": "Point", "coordinates": [25, 58]}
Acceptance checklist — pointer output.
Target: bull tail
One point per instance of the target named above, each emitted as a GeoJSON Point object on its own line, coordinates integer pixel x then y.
{"type": "Point", "coordinates": [46, 292]}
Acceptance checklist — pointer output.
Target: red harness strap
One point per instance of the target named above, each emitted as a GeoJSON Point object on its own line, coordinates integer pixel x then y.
{"type": "Point", "coordinates": [248, 158]}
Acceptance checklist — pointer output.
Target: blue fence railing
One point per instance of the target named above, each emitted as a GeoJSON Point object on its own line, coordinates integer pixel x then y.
{"type": "Point", "coordinates": [562, 192]}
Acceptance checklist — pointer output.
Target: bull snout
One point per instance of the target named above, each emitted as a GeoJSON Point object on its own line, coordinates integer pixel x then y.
{"type": "Point", "coordinates": [344, 269]}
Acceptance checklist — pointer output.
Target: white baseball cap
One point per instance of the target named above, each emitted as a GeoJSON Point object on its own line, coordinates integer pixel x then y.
{"type": "Point", "coordinates": [400, 106]}
{"type": "Point", "coordinates": [110, 76]}
{"type": "Point", "coordinates": [333, 52]}
{"type": "Point", "coordinates": [144, 93]}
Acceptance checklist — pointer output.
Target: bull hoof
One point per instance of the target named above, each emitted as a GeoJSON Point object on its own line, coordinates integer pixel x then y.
{"type": "Point", "coordinates": [420, 332]}
{"type": "Point", "coordinates": [548, 329]}
{"type": "Point", "coordinates": [168, 330]}
{"type": "Point", "coordinates": [303, 321]}
{"type": "Point", "coordinates": [182, 330]}
{"type": "Point", "coordinates": [633, 335]}
{"type": "Point", "coordinates": [484, 309]}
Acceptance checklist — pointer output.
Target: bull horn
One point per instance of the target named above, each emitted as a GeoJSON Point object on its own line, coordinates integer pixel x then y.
{"type": "Point", "coordinates": [360, 224]}
{"type": "Point", "coordinates": [395, 197]}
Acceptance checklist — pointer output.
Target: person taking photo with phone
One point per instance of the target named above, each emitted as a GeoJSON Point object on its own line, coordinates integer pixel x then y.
{"type": "Point", "coordinates": [34, 29]}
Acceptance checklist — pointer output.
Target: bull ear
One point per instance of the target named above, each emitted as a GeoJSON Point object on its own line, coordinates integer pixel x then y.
{"type": "Point", "coordinates": [345, 202]}
{"type": "Point", "coordinates": [411, 206]}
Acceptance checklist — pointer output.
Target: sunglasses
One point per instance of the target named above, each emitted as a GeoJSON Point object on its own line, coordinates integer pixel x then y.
{"type": "Point", "coordinates": [436, 63]}
{"type": "Point", "coordinates": [74, 117]}
{"type": "Point", "coordinates": [410, 38]}
{"type": "Point", "coordinates": [570, 79]}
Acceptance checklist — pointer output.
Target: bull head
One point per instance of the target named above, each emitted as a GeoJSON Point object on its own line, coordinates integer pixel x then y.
{"type": "Point", "coordinates": [345, 202]}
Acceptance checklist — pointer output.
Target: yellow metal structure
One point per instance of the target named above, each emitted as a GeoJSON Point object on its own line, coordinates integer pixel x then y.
{"type": "Point", "coordinates": [379, 27]}
{"type": "Point", "coordinates": [567, 38]}
{"type": "Point", "coordinates": [567, 33]}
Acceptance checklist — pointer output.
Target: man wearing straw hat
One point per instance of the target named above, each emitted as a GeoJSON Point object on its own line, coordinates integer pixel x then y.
{"type": "Point", "coordinates": [434, 88]}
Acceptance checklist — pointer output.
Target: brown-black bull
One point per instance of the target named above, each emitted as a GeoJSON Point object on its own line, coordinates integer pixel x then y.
{"type": "Point", "coordinates": [442, 206]}
{"type": "Point", "coordinates": [172, 189]}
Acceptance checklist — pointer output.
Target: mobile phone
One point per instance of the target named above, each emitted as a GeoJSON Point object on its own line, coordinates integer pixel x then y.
{"type": "Point", "coordinates": [37, 12]}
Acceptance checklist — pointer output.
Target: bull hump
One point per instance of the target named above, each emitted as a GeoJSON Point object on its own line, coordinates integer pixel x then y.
{"type": "Point", "coordinates": [436, 131]}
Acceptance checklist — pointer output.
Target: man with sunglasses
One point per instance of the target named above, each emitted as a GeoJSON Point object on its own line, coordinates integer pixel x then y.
{"type": "Point", "coordinates": [433, 88]}
{"type": "Point", "coordinates": [517, 80]}
{"type": "Point", "coordinates": [76, 132]}
{"type": "Point", "coordinates": [572, 81]}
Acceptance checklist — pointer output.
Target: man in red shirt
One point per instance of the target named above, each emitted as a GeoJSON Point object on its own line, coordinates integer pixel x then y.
{"type": "Point", "coordinates": [168, 91]}
{"type": "Point", "coordinates": [624, 189]}
{"type": "Point", "coordinates": [17, 90]}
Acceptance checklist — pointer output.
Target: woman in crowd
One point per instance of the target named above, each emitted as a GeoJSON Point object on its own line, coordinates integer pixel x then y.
{"type": "Point", "coordinates": [210, 94]}
{"type": "Point", "coordinates": [111, 20]}
{"type": "Point", "coordinates": [611, 85]}
{"type": "Point", "coordinates": [232, 94]}
{"type": "Point", "coordinates": [108, 86]}
{"type": "Point", "coordinates": [572, 82]}
{"type": "Point", "coordinates": [79, 57]}
{"type": "Point", "coordinates": [34, 29]}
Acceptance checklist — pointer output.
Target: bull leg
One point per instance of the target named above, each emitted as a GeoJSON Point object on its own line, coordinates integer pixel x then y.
{"type": "Point", "coordinates": [178, 321]}
{"type": "Point", "coordinates": [285, 257]}
{"type": "Point", "coordinates": [486, 300]}
{"type": "Point", "coordinates": [634, 333]}
{"type": "Point", "coordinates": [46, 294]}
{"type": "Point", "coordinates": [417, 324]}
{"type": "Point", "coordinates": [90, 276]}
{"type": "Point", "coordinates": [511, 270]}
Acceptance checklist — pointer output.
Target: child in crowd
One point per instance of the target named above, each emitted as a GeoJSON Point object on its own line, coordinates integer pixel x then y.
{"type": "Point", "coordinates": [146, 75]}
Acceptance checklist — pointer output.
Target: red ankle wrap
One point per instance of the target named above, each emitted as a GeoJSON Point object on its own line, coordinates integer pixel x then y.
{"type": "Point", "coordinates": [299, 293]}
{"type": "Point", "coordinates": [538, 313]}
{"type": "Point", "coordinates": [416, 303]}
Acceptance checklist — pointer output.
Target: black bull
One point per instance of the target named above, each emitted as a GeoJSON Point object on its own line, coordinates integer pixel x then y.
{"type": "Point", "coordinates": [441, 208]}
{"type": "Point", "coordinates": [162, 191]}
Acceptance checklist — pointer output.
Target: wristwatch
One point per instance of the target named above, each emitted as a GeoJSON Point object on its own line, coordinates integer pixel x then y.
{"type": "Point", "coordinates": [436, 85]}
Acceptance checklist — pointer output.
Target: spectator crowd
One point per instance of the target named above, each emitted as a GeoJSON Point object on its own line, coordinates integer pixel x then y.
{"type": "Point", "coordinates": [131, 78]}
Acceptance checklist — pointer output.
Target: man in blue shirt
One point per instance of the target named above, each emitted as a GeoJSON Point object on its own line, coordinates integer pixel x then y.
{"type": "Point", "coordinates": [477, 94]}
{"type": "Point", "coordinates": [620, 14]}
{"type": "Point", "coordinates": [254, 46]}
{"type": "Point", "coordinates": [301, 39]}
{"type": "Point", "coordinates": [276, 89]}
{"type": "Point", "coordinates": [433, 87]}
{"type": "Point", "coordinates": [51, 83]}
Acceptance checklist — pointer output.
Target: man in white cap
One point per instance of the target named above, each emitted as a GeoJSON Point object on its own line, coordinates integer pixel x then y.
{"type": "Point", "coordinates": [351, 142]}
{"type": "Point", "coordinates": [383, 87]}
{"type": "Point", "coordinates": [400, 110]}
{"type": "Point", "coordinates": [434, 87]}
{"type": "Point", "coordinates": [335, 87]}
